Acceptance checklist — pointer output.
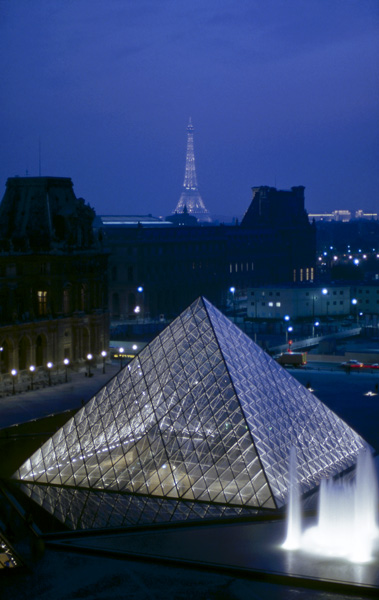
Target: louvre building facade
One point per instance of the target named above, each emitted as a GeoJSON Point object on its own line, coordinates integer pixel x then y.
{"type": "Point", "coordinates": [199, 425]}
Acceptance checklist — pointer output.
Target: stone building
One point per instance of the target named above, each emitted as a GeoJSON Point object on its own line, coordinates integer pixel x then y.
{"type": "Point", "coordinates": [159, 267]}
{"type": "Point", "coordinates": [53, 276]}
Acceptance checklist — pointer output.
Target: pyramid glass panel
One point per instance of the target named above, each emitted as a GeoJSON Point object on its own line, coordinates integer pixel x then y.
{"type": "Point", "coordinates": [201, 414]}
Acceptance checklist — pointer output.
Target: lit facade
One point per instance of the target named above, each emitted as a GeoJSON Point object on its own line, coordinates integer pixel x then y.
{"type": "Point", "coordinates": [53, 276]}
{"type": "Point", "coordinates": [303, 301]}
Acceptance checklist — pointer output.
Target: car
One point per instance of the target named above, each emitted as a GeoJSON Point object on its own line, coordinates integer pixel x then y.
{"type": "Point", "coordinates": [352, 364]}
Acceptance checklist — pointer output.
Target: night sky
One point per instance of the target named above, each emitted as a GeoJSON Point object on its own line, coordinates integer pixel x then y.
{"type": "Point", "coordinates": [281, 93]}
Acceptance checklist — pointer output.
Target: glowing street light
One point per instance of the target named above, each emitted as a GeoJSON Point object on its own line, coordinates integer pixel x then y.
{"type": "Point", "coordinates": [66, 362]}
{"type": "Point", "coordinates": [49, 367]}
{"type": "Point", "coordinates": [140, 289]}
{"type": "Point", "coordinates": [14, 375]}
{"type": "Point", "coordinates": [103, 354]}
{"type": "Point", "coordinates": [32, 369]}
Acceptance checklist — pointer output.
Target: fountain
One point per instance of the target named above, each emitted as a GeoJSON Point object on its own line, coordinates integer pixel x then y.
{"type": "Point", "coordinates": [347, 514]}
{"type": "Point", "coordinates": [293, 538]}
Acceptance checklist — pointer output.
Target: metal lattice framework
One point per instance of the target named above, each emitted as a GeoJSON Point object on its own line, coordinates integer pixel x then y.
{"type": "Point", "coordinates": [199, 424]}
{"type": "Point", "coordinates": [190, 199]}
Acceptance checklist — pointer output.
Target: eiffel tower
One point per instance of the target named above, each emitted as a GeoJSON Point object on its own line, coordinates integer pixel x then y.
{"type": "Point", "coordinates": [190, 201]}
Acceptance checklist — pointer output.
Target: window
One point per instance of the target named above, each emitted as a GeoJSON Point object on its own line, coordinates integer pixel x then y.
{"type": "Point", "coordinates": [271, 304]}
{"type": "Point", "coordinates": [42, 302]}
{"type": "Point", "coordinates": [278, 304]}
{"type": "Point", "coordinates": [66, 301]}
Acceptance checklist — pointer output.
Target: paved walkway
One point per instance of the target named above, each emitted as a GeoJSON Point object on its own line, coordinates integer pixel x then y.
{"type": "Point", "coordinates": [36, 404]}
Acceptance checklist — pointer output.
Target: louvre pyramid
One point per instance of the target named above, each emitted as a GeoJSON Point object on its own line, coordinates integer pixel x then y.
{"type": "Point", "coordinates": [201, 423]}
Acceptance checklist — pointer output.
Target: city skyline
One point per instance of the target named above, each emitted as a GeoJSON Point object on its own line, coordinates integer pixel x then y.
{"type": "Point", "coordinates": [280, 94]}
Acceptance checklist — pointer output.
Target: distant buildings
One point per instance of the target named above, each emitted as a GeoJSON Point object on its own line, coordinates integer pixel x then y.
{"type": "Point", "coordinates": [174, 264]}
{"type": "Point", "coordinates": [343, 215]}
{"type": "Point", "coordinates": [53, 276]}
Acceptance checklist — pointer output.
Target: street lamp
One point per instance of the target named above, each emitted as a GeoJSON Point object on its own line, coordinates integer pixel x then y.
{"type": "Point", "coordinates": [49, 367]}
{"type": "Point", "coordinates": [324, 291]}
{"type": "Point", "coordinates": [103, 354]}
{"type": "Point", "coordinates": [135, 347]}
{"type": "Point", "coordinates": [66, 362]}
{"type": "Point", "coordinates": [354, 302]}
{"type": "Point", "coordinates": [315, 324]}
{"type": "Point", "coordinates": [89, 358]}
{"type": "Point", "coordinates": [14, 374]}
{"type": "Point", "coordinates": [232, 290]}
{"type": "Point", "coordinates": [120, 353]}
{"type": "Point", "coordinates": [288, 330]}
{"type": "Point", "coordinates": [32, 369]}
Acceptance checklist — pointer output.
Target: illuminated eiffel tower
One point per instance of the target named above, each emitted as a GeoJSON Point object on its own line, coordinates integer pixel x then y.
{"type": "Point", "coordinates": [190, 200]}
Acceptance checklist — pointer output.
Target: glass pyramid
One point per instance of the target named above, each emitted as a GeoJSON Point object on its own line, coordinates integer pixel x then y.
{"type": "Point", "coordinates": [200, 421]}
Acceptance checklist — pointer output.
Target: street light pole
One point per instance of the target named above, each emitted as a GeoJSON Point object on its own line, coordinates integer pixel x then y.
{"type": "Point", "coordinates": [232, 290]}
{"type": "Point", "coordinates": [354, 302]}
{"type": "Point", "coordinates": [14, 374]}
{"type": "Point", "coordinates": [66, 362]}
{"type": "Point", "coordinates": [103, 354]}
{"type": "Point", "coordinates": [49, 367]}
{"type": "Point", "coordinates": [325, 292]}
{"type": "Point", "coordinates": [120, 353]}
{"type": "Point", "coordinates": [89, 358]}
{"type": "Point", "coordinates": [315, 324]}
{"type": "Point", "coordinates": [32, 369]}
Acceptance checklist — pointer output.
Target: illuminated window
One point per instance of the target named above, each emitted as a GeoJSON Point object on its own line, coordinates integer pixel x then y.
{"type": "Point", "coordinates": [42, 302]}
{"type": "Point", "coordinates": [278, 304]}
{"type": "Point", "coordinates": [271, 304]}
{"type": "Point", "coordinates": [307, 275]}
{"type": "Point", "coordinates": [301, 274]}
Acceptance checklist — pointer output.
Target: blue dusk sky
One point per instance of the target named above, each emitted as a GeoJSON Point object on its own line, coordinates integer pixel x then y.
{"type": "Point", "coordinates": [281, 93]}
